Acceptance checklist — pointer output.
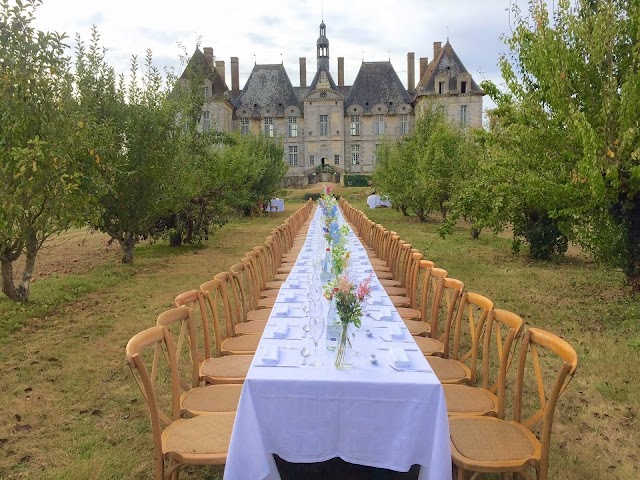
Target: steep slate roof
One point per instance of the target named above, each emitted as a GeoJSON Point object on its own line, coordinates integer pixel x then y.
{"type": "Point", "coordinates": [376, 82]}
{"type": "Point", "coordinates": [268, 85]}
{"type": "Point", "coordinates": [198, 65]}
{"type": "Point", "coordinates": [446, 58]}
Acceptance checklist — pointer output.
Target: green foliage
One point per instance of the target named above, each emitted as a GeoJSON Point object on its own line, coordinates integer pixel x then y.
{"type": "Point", "coordinates": [566, 136]}
{"type": "Point", "coordinates": [48, 177]}
{"type": "Point", "coordinates": [422, 170]}
{"type": "Point", "coordinates": [326, 168]}
{"type": "Point", "coordinates": [354, 180]}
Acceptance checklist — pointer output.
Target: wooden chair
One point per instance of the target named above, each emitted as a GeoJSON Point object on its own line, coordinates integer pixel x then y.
{"type": "Point", "coordinates": [218, 295]}
{"type": "Point", "coordinates": [415, 316]}
{"type": "Point", "coordinates": [441, 312]}
{"type": "Point", "coordinates": [502, 330]}
{"type": "Point", "coordinates": [195, 400]}
{"type": "Point", "coordinates": [216, 369]}
{"type": "Point", "coordinates": [460, 365]}
{"type": "Point", "coordinates": [488, 444]}
{"type": "Point", "coordinates": [201, 440]}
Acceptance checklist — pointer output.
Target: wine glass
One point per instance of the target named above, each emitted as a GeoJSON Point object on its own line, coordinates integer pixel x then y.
{"type": "Point", "coordinates": [316, 325]}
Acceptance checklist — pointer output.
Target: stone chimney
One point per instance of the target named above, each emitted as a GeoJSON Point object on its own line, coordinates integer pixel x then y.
{"type": "Point", "coordinates": [208, 55]}
{"type": "Point", "coordinates": [424, 63]}
{"type": "Point", "coordinates": [411, 72]}
{"type": "Point", "coordinates": [437, 46]}
{"type": "Point", "coordinates": [221, 71]}
{"type": "Point", "coordinates": [303, 71]}
{"type": "Point", "coordinates": [235, 75]}
{"type": "Point", "coordinates": [340, 71]}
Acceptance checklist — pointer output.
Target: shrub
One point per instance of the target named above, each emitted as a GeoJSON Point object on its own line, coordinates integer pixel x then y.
{"type": "Point", "coordinates": [357, 180]}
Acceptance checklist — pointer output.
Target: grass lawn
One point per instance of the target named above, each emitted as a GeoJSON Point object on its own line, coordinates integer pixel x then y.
{"type": "Point", "coordinates": [72, 410]}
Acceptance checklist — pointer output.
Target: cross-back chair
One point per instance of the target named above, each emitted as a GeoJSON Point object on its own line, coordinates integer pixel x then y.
{"type": "Point", "coordinates": [501, 332]}
{"type": "Point", "coordinates": [201, 440]}
{"type": "Point", "coordinates": [489, 444]}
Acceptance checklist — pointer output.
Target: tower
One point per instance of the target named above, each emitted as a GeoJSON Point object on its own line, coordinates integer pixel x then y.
{"type": "Point", "coordinates": [323, 48]}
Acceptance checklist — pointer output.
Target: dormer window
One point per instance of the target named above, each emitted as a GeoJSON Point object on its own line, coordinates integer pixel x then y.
{"type": "Point", "coordinates": [463, 87]}
{"type": "Point", "coordinates": [440, 88]}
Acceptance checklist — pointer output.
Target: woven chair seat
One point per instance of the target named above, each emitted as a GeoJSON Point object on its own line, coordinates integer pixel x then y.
{"type": "Point", "coordinates": [258, 315]}
{"type": "Point", "coordinates": [448, 370]}
{"type": "Point", "coordinates": [417, 328]}
{"type": "Point", "coordinates": [463, 399]}
{"type": "Point", "coordinates": [205, 434]}
{"type": "Point", "coordinates": [243, 345]}
{"type": "Point", "coordinates": [231, 366]}
{"type": "Point", "coordinates": [489, 439]}
{"type": "Point", "coordinates": [396, 291]}
{"type": "Point", "coordinates": [281, 276]}
{"type": "Point", "coordinates": [384, 275]}
{"type": "Point", "coordinates": [400, 301]}
{"type": "Point", "coordinates": [266, 302]}
{"type": "Point", "coordinates": [381, 268]}
{"type": "Point", "coordinates": [285, 269]}
{"type": "Point", "coordinates": [254, 327]}
{"type": "Point", "coordinates": [407, 313]}
{"type": "Point", "coordinates": [269, 293]}
{"type": "Point", "coordinates": [274, 284]}
{"type": "Point", "coordinates": [212, 398]}
{"type": "Point", "coordinates": [430, 346]}
{"type": "Point", "coordinates": [390, 283]}
{"type": "Point", "coordinates": [377, 262]}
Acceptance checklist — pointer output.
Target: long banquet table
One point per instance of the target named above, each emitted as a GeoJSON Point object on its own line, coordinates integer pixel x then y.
{"type": "Point", "coordinates": [370, 414]}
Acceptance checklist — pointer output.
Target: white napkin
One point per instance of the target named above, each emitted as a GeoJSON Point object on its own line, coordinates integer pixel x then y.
{"type": "Point", "coordinates": [376, 298]}
{"type": "Point", "coordinates": [281, 310]}
{"type": "Point", "coordinates": [395, 332]}
{"type": "Point", "coordinates": [280, 330]}
{"type": "Point", "coordinates": [270, 355]}
{"type": "Point", "coordinates": [399, 357]}
{"type": "Point", "coordinates": [293, 282]}
{"type": "Point", "coordinates": [289, 295]}
{"type": "Point", "coordinates": [385, 314]}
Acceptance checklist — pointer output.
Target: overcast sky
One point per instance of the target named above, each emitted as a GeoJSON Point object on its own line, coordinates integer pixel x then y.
{"type": "Point", "coordinates": [284, 30]}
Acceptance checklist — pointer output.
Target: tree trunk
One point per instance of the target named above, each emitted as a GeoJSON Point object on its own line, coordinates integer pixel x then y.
{"type": "Point", "coordinates": [403, 209]}
{"type": "Point", "coordinates": [127, 242]}
{"type": "Point", "coordinates": [475, 233]}
{"type": "Point", "coordinates": [632, 270]}
{"type": "Point", "coordinates": [8, 288]}
{"type": "Point", "coordinates": [21, 292]}
{"type": "Point", "coordinates": [420, 214]}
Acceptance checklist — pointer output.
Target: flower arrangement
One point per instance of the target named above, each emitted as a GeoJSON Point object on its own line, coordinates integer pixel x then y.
{"type": "Point", "coordinates": [339, 253]}
{"type": "Point", "coordinates": [349, 298]}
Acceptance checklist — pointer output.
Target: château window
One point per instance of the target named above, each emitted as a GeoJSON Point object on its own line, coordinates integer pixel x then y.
{"type": "Point", "coordinates": [244, 126]}
{"type": "Point", "coordinates": [441, 88]}
{"type": "Point", "coordinates": [293, 156]}
{"type": "Point", "coordinates": [355, 154]}
{"type": "Point", "coordinates": [206, 121]}
{"type": "Point", "coordinates": [293, 126]}
{"type": "Point", "coordinates": [312, 160]}
{"type": "Point", "coordinates": [324, 124]}
{"type": "Point", "coordinates": [336, 159]}
{"type": "Point", "coordinates": [463, 87]}
{"type": "Point", "coordinates": [206, 93]}
{"type": "Point", "coordinates": [355, 125]}
{"type": "Point", "coordinates": [463, 115]}
{"type": "Point", "coordinates": [404, 124]}
{"type": "Point", "coordinates": [378, 126]}
{"type": "Point", "coordinates": [268, 126]}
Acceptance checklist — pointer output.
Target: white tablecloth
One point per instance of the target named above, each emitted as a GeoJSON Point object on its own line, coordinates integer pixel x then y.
{"type": "Point", "coordinates": [369, 415]}
{"type": "Point", "coordinates": [375, 201]}
{"type": "Point", "coordinates": [277, 203]}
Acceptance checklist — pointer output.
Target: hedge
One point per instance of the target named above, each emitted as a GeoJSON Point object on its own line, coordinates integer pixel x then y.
{"type": "Point", "coordinates": [357, 180]}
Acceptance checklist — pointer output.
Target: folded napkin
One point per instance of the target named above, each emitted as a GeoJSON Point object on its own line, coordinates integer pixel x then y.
{"type": "Point", "coordinates": [395, 332]}
{"type": "Point", "coordinates": [399, 357]}
{"type": "Point", "coordinates": [280, 330]}
{"type": "Point", "coordinates": [293, 282]}
{"type": "Point", "coordinates": [289, 295]}
{"type": "Point", "coordinates": [270, 355]}
{"type": "Point", "coordinates": [281, 310]}
{"type": "Point", "coordinates": [376, 298]}
{"type": "Point", "coordinates": [385, 314]}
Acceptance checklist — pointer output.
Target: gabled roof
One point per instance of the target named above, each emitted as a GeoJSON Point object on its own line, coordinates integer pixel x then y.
{"type": "Point", "coordinates": [268, 85]}
{"type": "Point", "coordinates": [198, 66]}
{"type": "Point", "coordinates": [447, 60]}
{"type": "Point", "coordinates": [317, 79]}
{"type": "Point", "coordinates": [376, 83]}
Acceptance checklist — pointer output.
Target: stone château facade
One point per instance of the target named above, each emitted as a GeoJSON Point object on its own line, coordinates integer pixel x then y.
{"type": "Point", "coordinates": [329, 123]}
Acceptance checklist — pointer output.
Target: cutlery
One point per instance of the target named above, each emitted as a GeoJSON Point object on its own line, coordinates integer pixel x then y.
{"type": "Point", "coordinates": [398, 369]}
{"type": "Point", "coordinates": [395, 341]}
{"type": "Point", "coordinates": [405, 349]}
{"type": "Point", "coordinates": [278, 365]}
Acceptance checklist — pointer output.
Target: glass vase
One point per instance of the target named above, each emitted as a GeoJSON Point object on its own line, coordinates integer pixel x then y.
{"type": "Point", "coordinates": [344, 354]}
